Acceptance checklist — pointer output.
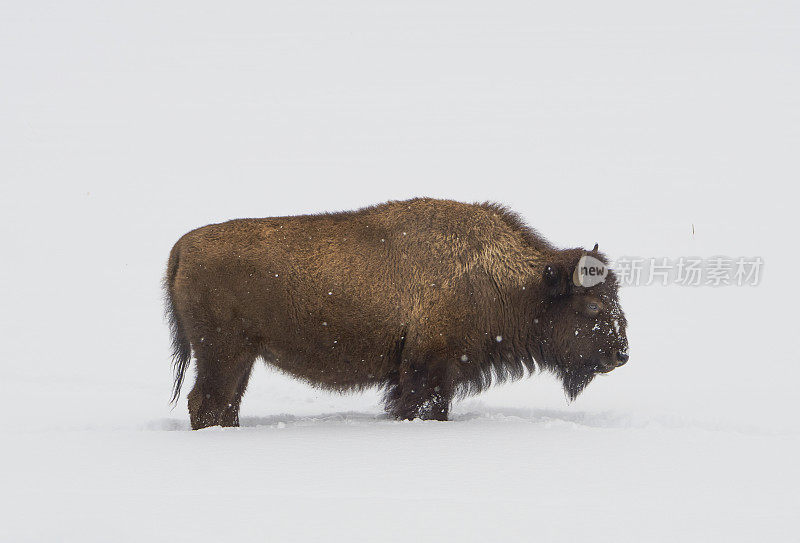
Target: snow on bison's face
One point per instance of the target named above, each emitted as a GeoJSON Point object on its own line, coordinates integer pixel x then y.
{"type": "Point", "coordinates": [582, 328]}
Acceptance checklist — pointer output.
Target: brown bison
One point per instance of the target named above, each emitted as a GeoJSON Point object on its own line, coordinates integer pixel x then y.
{"type": "Point", "coordinates": [427, 299]}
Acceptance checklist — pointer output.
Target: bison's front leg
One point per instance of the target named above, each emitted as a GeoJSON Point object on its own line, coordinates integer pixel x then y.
{"type": "Point", "coordinates": [423, 392]}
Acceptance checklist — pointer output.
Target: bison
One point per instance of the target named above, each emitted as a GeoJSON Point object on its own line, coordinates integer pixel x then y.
{"type": "Point", "coordinates": [427, 299]}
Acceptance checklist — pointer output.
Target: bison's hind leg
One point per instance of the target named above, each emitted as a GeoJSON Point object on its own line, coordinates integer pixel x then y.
{"type": "Point", "coordinates": [423, 392]}
{"type": "Point", "coordinates": [221, 381]}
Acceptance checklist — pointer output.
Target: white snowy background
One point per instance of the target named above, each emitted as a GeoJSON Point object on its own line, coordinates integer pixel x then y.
{"type": "Point", "coordinates": [125, 124]}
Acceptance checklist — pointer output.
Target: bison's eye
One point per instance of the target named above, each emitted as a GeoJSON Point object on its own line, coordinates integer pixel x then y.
{"type": "Point", "coordinates": [593, 308]}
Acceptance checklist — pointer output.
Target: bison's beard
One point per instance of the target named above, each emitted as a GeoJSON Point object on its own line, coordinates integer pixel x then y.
{"type": "Point", "coordinates": [574, 376]}
{"type": "Point", "coordinates": [575, 380]}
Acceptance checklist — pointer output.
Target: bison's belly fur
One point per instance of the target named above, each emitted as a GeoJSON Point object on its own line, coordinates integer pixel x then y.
{"type": "Point", "coordinates": [415, 297]}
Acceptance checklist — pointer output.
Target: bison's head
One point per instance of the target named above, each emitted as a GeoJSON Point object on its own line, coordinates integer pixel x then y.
{"type": "Point", "coordinates": [579, 326]}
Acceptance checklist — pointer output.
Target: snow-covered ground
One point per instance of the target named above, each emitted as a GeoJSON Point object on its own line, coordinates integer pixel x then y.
{"type": "Point", "coordinates": [656, 130]}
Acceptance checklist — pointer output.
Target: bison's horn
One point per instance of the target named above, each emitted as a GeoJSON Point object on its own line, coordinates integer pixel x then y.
{"type": "Point", "coordinates": [595, 248]}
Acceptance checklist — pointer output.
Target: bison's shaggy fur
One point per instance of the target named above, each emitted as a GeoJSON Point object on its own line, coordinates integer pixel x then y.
{"type": "Point", "coordinates": [428, 299]}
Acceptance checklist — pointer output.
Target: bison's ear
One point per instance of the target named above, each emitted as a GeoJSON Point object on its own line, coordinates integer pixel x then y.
{"type": "Point", "coordinates": [555, 280]}
{"type": "Point", "coordinates": [550, 275]}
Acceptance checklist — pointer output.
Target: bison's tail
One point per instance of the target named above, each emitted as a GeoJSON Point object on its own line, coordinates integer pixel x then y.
{"type": "Point", "coordinates": [181, 348]}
